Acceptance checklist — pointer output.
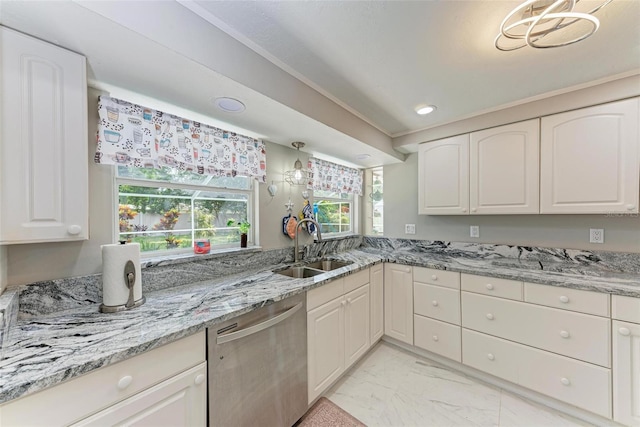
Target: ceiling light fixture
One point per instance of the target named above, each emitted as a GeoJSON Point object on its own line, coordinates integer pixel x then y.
{"type": "Point", "coordinates": [363, 156]}
{"type": "Point", "coordinates": [229, 105]}
{"type": "Point", "coordinates": [299, 175]}
{"type": "Point", "coordinates": [540, 18]}
{"type": "Point", "coordinates": [425, 109]}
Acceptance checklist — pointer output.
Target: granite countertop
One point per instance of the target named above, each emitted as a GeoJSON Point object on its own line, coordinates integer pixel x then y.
{"type": "Point", "coordinates": [47, 350]}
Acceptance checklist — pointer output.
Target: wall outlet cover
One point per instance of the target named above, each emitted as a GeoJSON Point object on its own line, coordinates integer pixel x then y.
{"type": "Point", "coordinates": [474, 231]}
{"type": "Point", "coordinates": [409, 229]}
{"type": "Point", "coordinates": [596, 235]}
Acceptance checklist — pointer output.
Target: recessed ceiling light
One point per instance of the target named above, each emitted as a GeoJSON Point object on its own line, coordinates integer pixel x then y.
{"type": "Point", "coordinates": [363, 156]}
{"type": "Point", "coordinates": [229, 105]}
{"type": "Point", "coordinates": [425, 109]}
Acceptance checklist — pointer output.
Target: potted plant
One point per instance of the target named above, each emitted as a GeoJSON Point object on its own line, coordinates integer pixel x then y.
{"type": "Point", "coordinates": [243, 226]}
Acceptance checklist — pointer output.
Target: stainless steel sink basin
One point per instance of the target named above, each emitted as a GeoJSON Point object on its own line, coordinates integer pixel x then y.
{"type": "Point", "coordinates": [300, 272]}
{"type": "Point", "coordinates": [327, 265]}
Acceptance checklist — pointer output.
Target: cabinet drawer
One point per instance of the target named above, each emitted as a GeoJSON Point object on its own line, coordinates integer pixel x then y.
{"type": "Point", "coordinates": [568, 299]}
{"type": "Point", "coordinates": [436, 302]}
{"type": "Point", "coordinates": [492, 355]}
{"type": "Point", "coordinates": [448, 279]}
{"type": "Point", "coordinates": [79, 397]}
{"type": "Point", "coordinates": [438, 337]}
{"type": "Point", "coordinates": [355, 280]}
{"type": "Point", "coordinates": [576, 335]}
{"type": "Point", "coordinates": [625, 308]}
{"type": "Point", "coordinates": [325, 293]}
{"type": "Point", "coordinates": [503, 288]}
{"type": "Point", "coordinates": [578, 383]}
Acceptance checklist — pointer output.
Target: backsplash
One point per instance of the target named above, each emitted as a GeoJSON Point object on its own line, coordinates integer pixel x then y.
{"type": "Point", "coordinates": [51, 296]}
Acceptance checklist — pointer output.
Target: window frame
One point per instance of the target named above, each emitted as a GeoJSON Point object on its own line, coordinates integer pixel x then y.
{"type": "Point", "coordinates": [252, 211]}
{"type": "Point", "coordinates": [353, 213]}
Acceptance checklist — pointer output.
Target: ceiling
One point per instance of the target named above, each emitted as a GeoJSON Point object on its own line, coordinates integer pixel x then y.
{"type": "Point", "coordinates": [343, 76]}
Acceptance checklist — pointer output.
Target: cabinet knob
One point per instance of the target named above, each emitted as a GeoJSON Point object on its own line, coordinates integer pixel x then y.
{"type": "Point", "coordinates": [624, 331]}
{"type": "Point", "coordinates": [435, 338]}
{"type": "Point", "coordinates": [489, 286]}
{"type": "Point", "coordinates": [199, 379]}
{"type": "Point", "coordinates": [631, 207]}
{"type": "Point", "coordinates": [407, 270]}
{"type": "Point", "coordinates": [565, 334]}
{"type": "Point", "coordinates": [434, 277]}
{"type": "Point", "coordinates": [125, 382]}
{"type": "Point", "coordinates": [348, 300]}
{"type": "Point", "coordinates": [564, 299]}
{"type": "Point", "coordinates": [490, 356]}
{"type": "Point", "coordinates": [343, 303]}
{"type": "Point", "coordinates": [464, 209]}
{"type": "Point", "coordinates": [434, 303]}
{"type": "Point", "coordinates": [565, 381]}
{"type": "Point", "coordinates": [474, 210]}
{"type": "Point", "coordinates": [74, 229]}
{"type": "Point", "coordinates": [490, 316]}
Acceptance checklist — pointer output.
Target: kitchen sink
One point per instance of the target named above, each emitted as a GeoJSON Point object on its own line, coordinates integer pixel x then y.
{"type": "Point", "coordinates": [312, 269]}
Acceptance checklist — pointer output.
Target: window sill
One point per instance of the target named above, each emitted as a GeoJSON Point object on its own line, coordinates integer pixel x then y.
{"type": "Point", "coordinates": [172, 259]}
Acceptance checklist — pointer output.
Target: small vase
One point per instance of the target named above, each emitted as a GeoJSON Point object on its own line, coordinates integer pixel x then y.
{"type": "Point", "coordinates": [243, 240]}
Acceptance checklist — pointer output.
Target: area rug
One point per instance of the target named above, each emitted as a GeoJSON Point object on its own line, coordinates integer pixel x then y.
{"type": "Point", "coordinates": [325, 413]}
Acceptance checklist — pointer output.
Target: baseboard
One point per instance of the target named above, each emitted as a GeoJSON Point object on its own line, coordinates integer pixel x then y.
{"type": "Point", "coordinates": [520, 391]}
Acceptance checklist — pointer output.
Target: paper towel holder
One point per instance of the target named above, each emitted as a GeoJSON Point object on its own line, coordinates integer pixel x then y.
{"type": "Point", "coordinates": [129, 281]}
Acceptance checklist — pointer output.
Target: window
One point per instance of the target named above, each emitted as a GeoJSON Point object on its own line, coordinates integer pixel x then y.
{"type": "Point", "coordinates": [334, 212]}
{"type": "Point", "coordinates": [165, 210]}
{"type": "Point", "coordinates": [377, 202]}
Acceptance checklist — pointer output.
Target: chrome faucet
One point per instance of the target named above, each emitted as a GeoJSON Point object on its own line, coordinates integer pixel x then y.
{"type": "Point", "coordinates": [296, 253]}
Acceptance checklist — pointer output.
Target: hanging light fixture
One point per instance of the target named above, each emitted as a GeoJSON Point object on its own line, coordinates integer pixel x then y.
{"type": "Point", "coordinates": [299, 175]}
{"type": "Point", "coordinates": [539, 19]}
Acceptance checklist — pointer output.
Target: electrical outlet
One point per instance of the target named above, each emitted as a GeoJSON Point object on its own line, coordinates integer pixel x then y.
{"type": "Point", "coordinates": [596, 235]}
{"type": "Point", "coordinates": [474, 231]}
{"type": "Point", "coordinates": [409, 229]}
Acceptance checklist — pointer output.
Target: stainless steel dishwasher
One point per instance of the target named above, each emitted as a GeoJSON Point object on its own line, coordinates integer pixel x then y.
{"type": "Point", "coordinates": [258, 367]}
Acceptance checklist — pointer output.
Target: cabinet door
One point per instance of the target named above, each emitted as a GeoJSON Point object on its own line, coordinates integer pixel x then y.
{"type": "Point", "coordinates": [325, 338]}
{"type": "Point", "coordinates": [398, 302]}
{"type": "Point", "coordinates": [356, 325]}
{"type": "Point", "coordinates": [589, 160]}
{"type": "Point", "coordinates": [503, 169]}
{"type": "Point", "coordinates": [44, 142]}
{"type": "Point", "coordinates": [376, 282]}
{"type": "Point", "coordinates": [179, 401]}
{"type": "Point", "coordinates": [626, 373]}
{"type": "Point", "coordinates": [443, 177]}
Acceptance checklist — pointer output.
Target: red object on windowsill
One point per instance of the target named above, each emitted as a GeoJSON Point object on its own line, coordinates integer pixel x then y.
{"type": "Point", "coordinates": [201, 246]}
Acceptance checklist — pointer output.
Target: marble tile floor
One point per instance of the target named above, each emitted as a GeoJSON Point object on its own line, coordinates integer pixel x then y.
{"type": "Point", "coordinates": [392, 387]}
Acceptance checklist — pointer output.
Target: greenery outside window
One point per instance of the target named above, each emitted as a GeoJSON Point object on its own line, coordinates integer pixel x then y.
{"type": "Point", "coordinates": [166, 210]}
{"type": "Point", "coordinates": [334, 212]}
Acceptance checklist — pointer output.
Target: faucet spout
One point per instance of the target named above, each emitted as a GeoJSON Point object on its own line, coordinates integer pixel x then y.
{"type": "Point", "coordinates": [296, 253]}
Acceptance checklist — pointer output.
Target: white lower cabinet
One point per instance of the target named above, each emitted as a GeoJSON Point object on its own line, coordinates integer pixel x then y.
{"type": "Point", "coordinates": [179, 401]}
{"type": "Point", "coordinates": [626, 373]}
{"type": "Point", "coordinates": [376, 283]}
{"type": "Point", "coordinates": [338, 334]}
{"type": "Point", "coordinates": [437, 337]}
{"type": "Point", "coordinates": [165, 386]}
{"type": "Point", "coordinates": [398, 302]}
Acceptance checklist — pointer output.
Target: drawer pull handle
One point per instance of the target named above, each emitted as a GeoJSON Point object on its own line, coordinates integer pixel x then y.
{"type": "Point", "coordinates": [125, 382]}
{"type": "Point", "coordinates": [199, 379]}
{"type": "Point", "coordinates": [624, 331]}
{"type": "Point", "coordinates": [489, 286]}
{"type": "Point", "coordinates": [435, 338]}
{"type": "Point", "coordinates": [434, 277]}
{"type": "Point", "coordinates": [434, 303]}
{"type": "Point", "coordinates": [490, 356]}
{"type": "Point", "coordinates": [564, 299]}
{"type": "Point", "coordinates": [565, 381]}
{"type": "Point", "coordinates": [565, 334]}
{"type": "Point", "coordinates": [490, 316]}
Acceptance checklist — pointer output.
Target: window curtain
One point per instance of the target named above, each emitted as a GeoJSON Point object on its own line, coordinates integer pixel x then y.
{"type": "Point", "coordinates": [132, 135]}
{"type": "Point", "coordinates": [328, 176]}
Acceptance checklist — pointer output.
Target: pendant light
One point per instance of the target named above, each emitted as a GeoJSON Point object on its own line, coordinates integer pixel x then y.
{"type": "Point", "coordinates": [299, 175]}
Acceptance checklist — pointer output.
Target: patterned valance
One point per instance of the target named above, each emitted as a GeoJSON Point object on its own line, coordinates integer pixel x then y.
{"type": "Point", "coordinates": [333, 177]}
{"type": "Point", "coordinates": [131, 135]}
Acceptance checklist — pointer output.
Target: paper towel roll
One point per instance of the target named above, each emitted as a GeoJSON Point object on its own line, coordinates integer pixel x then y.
{"type": "Point", "coordinates": [114, 286]}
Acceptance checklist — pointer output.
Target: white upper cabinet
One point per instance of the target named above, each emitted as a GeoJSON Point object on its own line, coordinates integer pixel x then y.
{"type": "Point", "coordinates": [443, 177]}
{"type": "Point", "coordinates": [503, 169]}
{"type": "Point", "coordinates": [44, 142]}
{"type": "Point", "coordinates": [589, 160]}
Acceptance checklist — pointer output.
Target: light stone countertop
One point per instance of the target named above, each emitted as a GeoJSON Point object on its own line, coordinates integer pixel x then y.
{"type": "Point", "coordinates": [47, 350]}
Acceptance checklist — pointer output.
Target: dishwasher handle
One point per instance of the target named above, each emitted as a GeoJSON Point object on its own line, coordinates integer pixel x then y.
{"type": "Point", "coordinates": [259, 327]}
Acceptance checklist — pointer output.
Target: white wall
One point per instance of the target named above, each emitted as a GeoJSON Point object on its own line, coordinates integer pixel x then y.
{"type": "Point", "coordinates": [564, 231]}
